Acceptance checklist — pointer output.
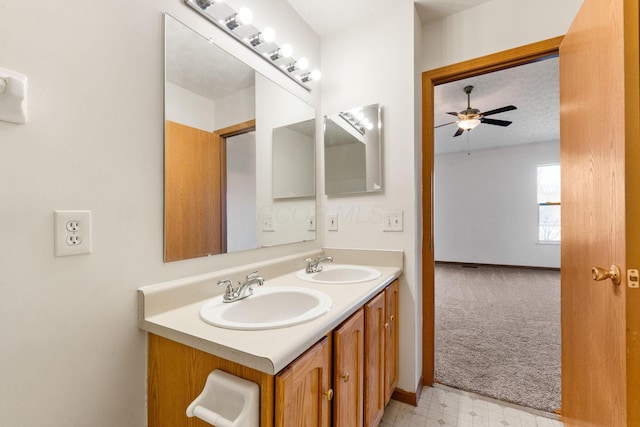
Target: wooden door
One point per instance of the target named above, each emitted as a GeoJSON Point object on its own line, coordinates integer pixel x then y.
{"type": "Point", "coordinates": [303, 391]}
{"type": "Point", "coordinates": [391, 345]}
{"type": "Point", "coordinates": [348, 372]}
{"type": "Point", "coordinates": [193, 193]}
{"type": "Point", "coordinates": [599, 157]}
{"type": "Point", "coordinates": [374, 336]}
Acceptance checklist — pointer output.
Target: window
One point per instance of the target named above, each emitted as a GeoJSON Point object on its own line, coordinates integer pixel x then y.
{"type": "Point", "coordinates": [549, 204]}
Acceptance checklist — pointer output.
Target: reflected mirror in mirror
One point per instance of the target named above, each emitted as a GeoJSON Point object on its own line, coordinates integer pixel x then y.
{"type": "Point", "coordinates": [219, 118]}
{"type": "Point", "coordinates": [353, 151]}
{"type": "Point", "coordinates": [293, 160]}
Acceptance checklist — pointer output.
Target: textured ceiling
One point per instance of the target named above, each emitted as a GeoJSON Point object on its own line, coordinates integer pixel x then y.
{"type": "Point", "coordinates": [532, 88]}
{"type": "Point", "coordinates": [201, 67]}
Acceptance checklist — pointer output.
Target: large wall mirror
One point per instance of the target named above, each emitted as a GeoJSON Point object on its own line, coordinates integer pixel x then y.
{"type": "Point", "coordinates": [353, 151]}
{"type": "Point", "coordinates": [223, 125]}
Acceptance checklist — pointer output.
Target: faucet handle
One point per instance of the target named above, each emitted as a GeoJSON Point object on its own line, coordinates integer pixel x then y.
{"type": "Point", "coordinates": [225, 282]}
{"type": "Point", "coordinates": [252, 275]}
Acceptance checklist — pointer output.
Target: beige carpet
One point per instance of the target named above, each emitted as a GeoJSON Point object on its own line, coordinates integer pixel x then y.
{"type": "Point", "coordinates": [498, 333]}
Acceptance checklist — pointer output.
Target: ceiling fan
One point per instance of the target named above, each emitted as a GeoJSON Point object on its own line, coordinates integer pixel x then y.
{"type": "Point", "coordinates": [472, 117]}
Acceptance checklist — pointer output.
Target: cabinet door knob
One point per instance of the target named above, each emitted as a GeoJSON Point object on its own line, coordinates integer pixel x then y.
{"type": "Point", "coordinates": [345, 377]}
{"type": "Point", "coordinates": [329, 394]}
{"type": "Point", "coordinates": [386, 325]}
{"type": "Point", "coordinates": [391, 318]}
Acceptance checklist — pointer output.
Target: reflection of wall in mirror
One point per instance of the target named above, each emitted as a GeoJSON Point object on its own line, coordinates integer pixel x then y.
{"type": "Point", "coordinates": [293, 162]}
{"type": "Point", "coordinates": [345, 160]}
{"type": "Point", "coordinates": [276, 108]}
{"type": "Point", "coordinates": [191, 109]}
{"type": "Point", "coordinates": [241, 192]}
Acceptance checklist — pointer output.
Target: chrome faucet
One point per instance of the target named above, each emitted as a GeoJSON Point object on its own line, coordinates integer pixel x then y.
{"type": "Point", "coordinates": [243, 290]}
{"type": "Point", "coordinates": [315, 266]}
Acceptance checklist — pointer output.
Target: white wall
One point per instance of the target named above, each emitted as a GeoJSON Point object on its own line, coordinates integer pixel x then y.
{"type": "Point", "coordinates": [380, 70]}
{"type": "Point", "coordinates": [241, 192]}
{"type": "Point", "coordinates": [485, 206]}
{"type": "Point", "coordinates": [493, 27]}
{"type": "Point", "coordinates": [71, 354]}
{"type": "Point", "coordinates": [188, 108]}
{"type": "Point", "coordinates": [294, 161]}
{"type": "Point", "coordinates": [276, 108]}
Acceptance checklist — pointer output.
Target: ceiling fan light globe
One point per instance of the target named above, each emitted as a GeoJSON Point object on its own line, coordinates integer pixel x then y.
{"type": "Point", "coordinates": [468, 124]}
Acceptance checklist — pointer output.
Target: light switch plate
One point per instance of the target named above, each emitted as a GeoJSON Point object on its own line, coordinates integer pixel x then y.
{"type": "Point", "coordinates": [311, 223]}
{"type": "Point", "coordinates": [332, 221]}
{"type": "Point", "coordinates": [392, 221]}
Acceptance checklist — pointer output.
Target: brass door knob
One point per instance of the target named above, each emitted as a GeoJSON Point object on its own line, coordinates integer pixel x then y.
{"type": "Point", "coordinates": [345, 377]}
{"type": "Point", "coordinates": [599, 273]}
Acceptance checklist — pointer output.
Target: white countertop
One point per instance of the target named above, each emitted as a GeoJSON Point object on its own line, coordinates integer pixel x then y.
{"type": "Point", "coordinates": [269, 350]}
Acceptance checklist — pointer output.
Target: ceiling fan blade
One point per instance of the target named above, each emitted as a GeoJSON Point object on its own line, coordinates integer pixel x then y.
{"type": "Point", "coordinates": [452, 113]}
{"type": "Point", "coordinates": [458, 132]}
{"type": "Point", "coordinates": [495, 122]}
{"type": "Point", "coordinates": [446, 124]}
{"type": "Point", "coordinates": [499, 110]}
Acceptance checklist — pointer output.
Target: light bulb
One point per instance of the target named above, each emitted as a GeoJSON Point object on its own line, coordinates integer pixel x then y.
{"type": "Point", "coordinates": [286, 50]}
{"type": "Point", "coordinates": [302, 64]}
{"type": "Point", "coordinates": [369, 126]}
{"type": "Point", "coordinates": [315, 75]}
{"type": "Point", "coordinates": [268, 35]}
{"type": "Point", "coordinates": [245, 16]}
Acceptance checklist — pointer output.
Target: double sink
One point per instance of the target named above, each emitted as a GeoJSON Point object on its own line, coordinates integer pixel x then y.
{"type": "Point", "coordinates": [279, 307]}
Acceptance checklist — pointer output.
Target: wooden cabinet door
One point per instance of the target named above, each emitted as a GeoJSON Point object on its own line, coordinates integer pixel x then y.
{"type": "Point", "coordinates": [303, 390]}
{"type": "Point", "coordinates": [391, 340]}
{"type": "Point", "coordinates": [348, 372]}
{"type": "Point", "coordinates": [374, 336]}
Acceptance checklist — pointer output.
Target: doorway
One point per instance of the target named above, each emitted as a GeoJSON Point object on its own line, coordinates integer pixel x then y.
{"type": "Point", "coordinates": [484, 65]}
{"type": "Point", "coordinates": [497, 252]}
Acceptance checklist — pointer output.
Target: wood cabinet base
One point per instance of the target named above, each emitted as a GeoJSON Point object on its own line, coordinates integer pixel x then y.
{"type": "Point", "coordinates": [177, 374]}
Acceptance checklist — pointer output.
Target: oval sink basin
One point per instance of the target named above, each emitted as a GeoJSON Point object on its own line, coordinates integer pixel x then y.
{"type": "Point", "coordinates": [267, 308]}
{"type": "Point", "coordinates": [338, 274]}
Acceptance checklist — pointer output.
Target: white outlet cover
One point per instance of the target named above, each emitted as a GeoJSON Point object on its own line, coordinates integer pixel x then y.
{"type": "Point", "coordinates": [72, 232]}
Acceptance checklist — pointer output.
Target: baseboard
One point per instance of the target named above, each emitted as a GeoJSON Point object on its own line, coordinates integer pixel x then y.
{"type": "Point", "coordinates": [476, 265]}
{"type": "Point", "coordinates": [407, 396]}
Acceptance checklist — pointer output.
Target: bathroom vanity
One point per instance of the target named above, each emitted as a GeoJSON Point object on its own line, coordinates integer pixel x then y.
{"type": "Point", "coordinates": [340, 368]}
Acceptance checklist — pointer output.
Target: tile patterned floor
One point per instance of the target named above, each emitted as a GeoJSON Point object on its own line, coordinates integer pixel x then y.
{"type": "Point", "coordinates": [445, 408]}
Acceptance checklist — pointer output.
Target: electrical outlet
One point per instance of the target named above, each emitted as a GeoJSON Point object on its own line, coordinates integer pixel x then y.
{"type": "Point", "coordinates": [72, 232]}
{"type": "Point", "coordinates": [392, 221]}
{"type": "Point", "coordinates": [332, 219]}
{"type": "Point", "coordinates": [267, 223]}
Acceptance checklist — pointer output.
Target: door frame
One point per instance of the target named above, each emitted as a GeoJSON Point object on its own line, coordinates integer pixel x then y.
{"type": "Point", "coordinates": [223, 134]}
{"type": "Point", "coordinates": [474, 67]}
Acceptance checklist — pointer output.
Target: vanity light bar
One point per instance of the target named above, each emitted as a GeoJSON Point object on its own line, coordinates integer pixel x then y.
{"type": "Point", "coordinates": [353, 121]}
{"type": "Point", "coordinates": [235, 20]}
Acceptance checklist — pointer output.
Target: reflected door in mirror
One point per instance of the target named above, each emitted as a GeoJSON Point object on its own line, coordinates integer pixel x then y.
{"type": "Point", "coordinates": [193, 197]}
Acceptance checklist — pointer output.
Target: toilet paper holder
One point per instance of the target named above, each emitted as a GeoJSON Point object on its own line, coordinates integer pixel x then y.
{"type": "Point", "coordinates": [227, 401]}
